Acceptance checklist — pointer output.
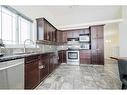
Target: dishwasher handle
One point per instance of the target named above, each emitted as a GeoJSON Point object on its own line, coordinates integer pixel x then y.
{"type": "Point", "coordinates": [11, 66]}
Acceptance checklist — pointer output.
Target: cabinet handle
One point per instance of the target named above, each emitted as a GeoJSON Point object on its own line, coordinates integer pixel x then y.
{"type": "Point", "coordinates": [42, 66]}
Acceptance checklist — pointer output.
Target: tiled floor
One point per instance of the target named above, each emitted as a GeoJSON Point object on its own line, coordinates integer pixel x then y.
{"type": "Point", "coordinates": [83, 77]}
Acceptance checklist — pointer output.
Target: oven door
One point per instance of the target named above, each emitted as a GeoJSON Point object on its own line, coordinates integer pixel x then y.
{"type": "Point", "coordinates": [73, 55]}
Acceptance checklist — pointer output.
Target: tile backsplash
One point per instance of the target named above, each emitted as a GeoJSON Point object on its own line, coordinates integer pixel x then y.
{"type": "Point", "coordinates": [40, 48]}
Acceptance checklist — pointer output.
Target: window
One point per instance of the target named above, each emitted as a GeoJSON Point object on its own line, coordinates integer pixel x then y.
{"type": "Point", "coordinates": [8, 26]}
{"type": "Point", "coordinates": [14, 27]}
{"type": "Point", "coordinates": [24, 30]}
{"type": "Point", "coordinates": [0, 22]}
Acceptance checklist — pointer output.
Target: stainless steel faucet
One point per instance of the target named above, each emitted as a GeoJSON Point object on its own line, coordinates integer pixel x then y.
{"type": "Point", "coordinates": [25, 44]}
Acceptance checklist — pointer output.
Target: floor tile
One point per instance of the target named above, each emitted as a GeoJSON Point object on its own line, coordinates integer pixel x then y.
{"type": "Point", "coordinates": [81, 77]}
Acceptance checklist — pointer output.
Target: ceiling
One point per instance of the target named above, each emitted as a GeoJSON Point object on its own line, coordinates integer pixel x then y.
{"type": "Point", "coordinates": [61, 16]}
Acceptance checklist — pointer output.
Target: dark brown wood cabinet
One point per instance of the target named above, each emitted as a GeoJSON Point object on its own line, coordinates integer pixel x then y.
{"type": "Point", "coordinates": [38, 67]}
{"type": "Point", "coordinates": [85, 56]}
{"type": "Point", "coordinates": [43, 66]}
{"type": "Point", "coordinates": [64, 37]}
{"type": "Point", "coordinates": [45, 30]}
{"type": "Point", "coordinates": [31, 72]}
{"type": "Point", "coordinates": [62, 56]}
{"type": "Point", "coordinates": [40, 29]}
{"type": "Point", "coordinates": [97, 44]}
{"type": "Point", "coordinates": [76, 32]}
{"type": "Point", "coordinates": [51, 64]}
{"type": "Point", "coordinates": [61, 36]}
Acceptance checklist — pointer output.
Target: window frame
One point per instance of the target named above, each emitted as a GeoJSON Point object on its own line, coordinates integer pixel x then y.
{"type": "Point", "coordinates": [17, 22]}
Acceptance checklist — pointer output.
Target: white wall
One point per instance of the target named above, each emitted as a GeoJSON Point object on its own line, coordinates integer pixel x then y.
{"type": "Point", "coordinates": [111, 40]}
{"type": "Point", "coordinates": [123, 33]}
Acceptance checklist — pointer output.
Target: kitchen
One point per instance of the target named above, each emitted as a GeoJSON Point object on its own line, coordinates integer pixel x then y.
{"type": "Point", "coordinates": [43, 55]}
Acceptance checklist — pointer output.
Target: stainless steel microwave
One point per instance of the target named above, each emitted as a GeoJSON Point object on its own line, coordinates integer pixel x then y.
{"type": "Point", "coordinates": [84, 38]}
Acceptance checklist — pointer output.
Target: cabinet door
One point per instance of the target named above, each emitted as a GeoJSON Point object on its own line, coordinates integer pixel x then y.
{"type": "Point", "coordinates": [94, 43]}
{"type": "Point", "coordinates": [100, 57]}
{"type": "Point", "coordinates": [94, 57]}
{"type": "Point", "coordinates": [97, 31]}
{"type": "Point", "coordinates": [100, 44]}
{"type": "Point", "coordinates": [85, 57]}
{"type": "Point", "coordinates": [100, 32]}
{"type": "Point", "coordinates": [43, 66]}
{"type": "Point", "coordinates": [45, 31]}
{"type": "Point", "coordinates": [54, 35]}
{"type": "Point", "coordinates": [55, 61]}
{"type": "Point", "coordinates": [48, 31]}
{"type": "Point", "coordinates": [60, 57]}
{"type": "Point", "coordinates": [93, 32]}
{"type": "Point", "coordinates": [60, 37]}
{"type": "Point", "coordinates": [64, 37]}
{"type": "Point", "coordinates": [57, 36]}
{"type": "Point", "coordinates": [76, 33]}
{"type": "Point", "coordinates": [69, 34]}
{"type": "Point", "coordinates": [31, 74]}
{"type": "Point", "coordinates": [51, 65]}
{"type": "Point", "coordinates": [40, 29]}
{"type": "Point", "coordinates": [97, 45]}
{"type": "Point", "coordinates": [64, 56]}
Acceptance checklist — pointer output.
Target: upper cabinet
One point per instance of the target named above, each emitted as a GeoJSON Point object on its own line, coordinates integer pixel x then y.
{"type": "Point", "coordinates": [40, 29]}
{"type": "Point", "coordinates": [45, 30]}
{"type": "Point", "coordinates": [76, 32]}
{"type": "Point", "coordinates": [97, 31]}
{"type": "Point", "coordinates": [64, 37]}
{"type": "Point", "coordinates": [61, 36]}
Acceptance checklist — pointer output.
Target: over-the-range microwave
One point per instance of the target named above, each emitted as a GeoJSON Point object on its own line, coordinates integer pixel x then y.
{"type": "Point", "coordinates": [84, 38]}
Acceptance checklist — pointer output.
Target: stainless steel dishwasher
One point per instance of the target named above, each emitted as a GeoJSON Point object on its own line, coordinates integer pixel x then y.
{"type": "Point", "coordinates": [12, 74]}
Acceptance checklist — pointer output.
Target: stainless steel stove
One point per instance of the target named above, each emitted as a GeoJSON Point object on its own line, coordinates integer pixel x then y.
{"type": "Point", "coordinates": [73, 57]}
{"type": "Point", "coordinates": [73, 51]}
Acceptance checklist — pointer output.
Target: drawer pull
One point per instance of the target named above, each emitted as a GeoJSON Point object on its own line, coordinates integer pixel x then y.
{"type": "Point", "coordinates": [42, 66]}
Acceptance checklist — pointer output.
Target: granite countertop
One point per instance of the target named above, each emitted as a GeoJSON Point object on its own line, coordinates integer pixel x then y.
{"type": "Point", "coordinates": [19, 56]}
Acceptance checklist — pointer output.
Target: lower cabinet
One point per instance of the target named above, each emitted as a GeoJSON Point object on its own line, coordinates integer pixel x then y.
{"type": "Point", "coordinates": [62, 56]}
{"type": "Point", "coordinates": [31, 72]}
{"type": "Point", "coordinates": [51, 64]}
{"type": "Point", "coordinates": [37, 67]}
{"type": "Point", "coordinates": [85, 57]}
{"type": "Point", "coordinates": [43, 66]}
